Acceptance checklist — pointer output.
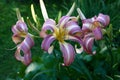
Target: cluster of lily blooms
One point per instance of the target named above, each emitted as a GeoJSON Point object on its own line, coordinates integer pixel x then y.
{"type": "Point", "coordinates": [67, 28]}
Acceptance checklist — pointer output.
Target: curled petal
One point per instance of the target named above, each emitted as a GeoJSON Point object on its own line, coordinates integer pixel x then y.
{"type": "Point", "coordinates": [21, 26]}
{"type": "Point", "coordinates": [27, 44]}
{"type": "Point", "coordinates": [72, 27]}
{"type": "Point", "coordinates": [76, 39]}
{"type": "Point", "coordinates": [47, 42]}
{"type": "Point", "coordinates": [79, 50]}
{"type": "Point", "coordinates": [88, 43]}
{"type": "Point", "coordinates": [68, 53]}
{"type": "Point", "coordinates": [87, 24]}
{"type": "Point", "coordinates": [18, 55]}
{"type": "Point", "coordinates": [16, 38]}
{"type": "Point", "coordinates": [50, 49]}
{"type": "Point", "coordinates": [49, 25]}
{"type": "Point", "coordinates": [25, 59]}
{"type": "Point", "coordinates": [97, 33]}
{"type": "Point", "coordinates": [104, 19]}
{"type": "Point", "coordinates": [90, 20]}
{"type": "Point", "coordinates": [43, 34]}
{"type": "Point", "coordinates": [15, 30]}
{"type": "Point", "coordinates": [65, 19]}
{"type": "Point", "coordinates": [79, 40]}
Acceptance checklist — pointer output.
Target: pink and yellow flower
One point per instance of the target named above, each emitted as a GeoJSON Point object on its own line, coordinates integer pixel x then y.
{"type": "Point", "coordinates": [24, 42]}
{"type": "Point", "coordinates": [96, 24]}
{"type": "Point", "coordinates": [92, 29]}
{"type": "Point", "coordinates": [64, 30]}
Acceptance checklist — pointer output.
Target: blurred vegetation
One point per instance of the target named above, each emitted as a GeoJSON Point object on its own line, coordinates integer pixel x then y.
{"type": "Point", "coordinates": [104, 65]}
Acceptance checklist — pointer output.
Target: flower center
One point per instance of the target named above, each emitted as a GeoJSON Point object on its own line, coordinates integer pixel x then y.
{"type": "Point", "coordinates": [22, 34]}
{"type": "Point", "coordinates": [60, 34]}
{"type": "Point", "coordinates": [96, 24]}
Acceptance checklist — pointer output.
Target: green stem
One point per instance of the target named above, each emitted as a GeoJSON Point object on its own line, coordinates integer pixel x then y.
{"type": "Point", "coordinates": [31, 25]}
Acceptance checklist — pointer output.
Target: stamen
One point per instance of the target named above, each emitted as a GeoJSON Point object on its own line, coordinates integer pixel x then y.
{"type": "Point", "coordinates": [60, 34]}
{"type": "Point", "coordinates": [96, 24]}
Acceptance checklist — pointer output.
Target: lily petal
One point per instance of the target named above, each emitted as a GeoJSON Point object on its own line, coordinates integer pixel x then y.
{"type": "Point", "coordinates": [25, 47]}
{"type": "Point", "coordinates": [49, 25]}
{"type": "Point", "coordinates": [79, 40]}
{"type": "Point", "coordinates": [65, 19]}
{"type": "Point", "coordinates": [18, 55]}
{"type": "Point", "coordinates": [68, 53]}
{"type": "Point", "coordinates": [27, 44]}
{"type": "Point", "coordinates": [21, 26]}
{"type": "Point", "coordinates": [16, 38]}
{"type": "Point", "coordinates": [79, 50]}
{"type": "Point", "coordinates": [47, 42]}
{"type": "Point", "coordinates": [87, 24]}
{"type": "Point", "coordinates": [104, 19]}
{"type": "Point", "coordinates": [43, 34]}
{"type": "Point", "coordinates": [97, 33]}
{"type": "Point", "coordinates": [88, 43]}
{"type": "Point", "coordinates": [15, 30]}
{"type": "Point", "coordinates": [72, 27]}
{"type": "Point", "coordinates": [50, 49]}
{"type": "Point", "coordinates": [76, 39]}
{"type": "Point", "coordinates": [25, 59]}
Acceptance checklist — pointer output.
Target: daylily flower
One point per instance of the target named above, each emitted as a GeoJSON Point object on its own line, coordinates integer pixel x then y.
{"type": "Point", "coordinates": [64, 30]}
{"type": "Point", "coordinates": [24, 42]}
{"type": "Point", "coordinates": [88, 42]}
{"type": "Point", "coordinates": [92, 29]}
{"type": "Point", "coordinates": [96, 24]}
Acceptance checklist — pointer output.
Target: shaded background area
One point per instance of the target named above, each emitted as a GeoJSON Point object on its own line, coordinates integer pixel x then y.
{"type": "Point", "coordinates": [9, 66]}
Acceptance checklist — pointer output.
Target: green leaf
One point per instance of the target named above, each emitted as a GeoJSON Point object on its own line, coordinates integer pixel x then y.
{"type": "Point", "coordinates": [110, 32]}
{"type": "Point", "coordinates": [109, 77]}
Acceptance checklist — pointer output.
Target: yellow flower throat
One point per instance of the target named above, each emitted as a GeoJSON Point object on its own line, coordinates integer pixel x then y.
{"type": "Point", "coordinates": [96, 24]}
{"type": "Point", "coordinates": [60, 34]}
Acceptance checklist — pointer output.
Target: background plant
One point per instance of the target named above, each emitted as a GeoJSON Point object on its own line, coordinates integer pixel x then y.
{"type": "Point", "coordinates": [104, 65]}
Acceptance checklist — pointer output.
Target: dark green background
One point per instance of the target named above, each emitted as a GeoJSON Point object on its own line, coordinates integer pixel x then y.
{"type": "Point", "coordinates": [9, 65]}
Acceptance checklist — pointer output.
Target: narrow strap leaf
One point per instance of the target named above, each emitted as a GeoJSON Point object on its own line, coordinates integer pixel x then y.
{"type": "Point", "coordinates": [43, 9]}
{"type": "Point", "coordinates": [33, 13]}
{"type": "Point", "coordinates": [71, 9]}
{"type": "Point", "coordinates": [80, 14]}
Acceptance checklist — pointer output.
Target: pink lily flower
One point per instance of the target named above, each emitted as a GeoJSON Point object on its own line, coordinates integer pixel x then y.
{"type": "Point", "coordinates": [24, 42]}
{"type": "Point", "coordinates": [92, 29]}
{"type": "Point", "coordinates": [96, 24]}
{"type": "Point", "coordinates": [88, 42]}
{"type": "Point", "coordinates": [64, 30]}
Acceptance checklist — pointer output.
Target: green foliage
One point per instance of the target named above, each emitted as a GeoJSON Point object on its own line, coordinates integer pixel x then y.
{"type": "Point", "coordinates": [104, 65]}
